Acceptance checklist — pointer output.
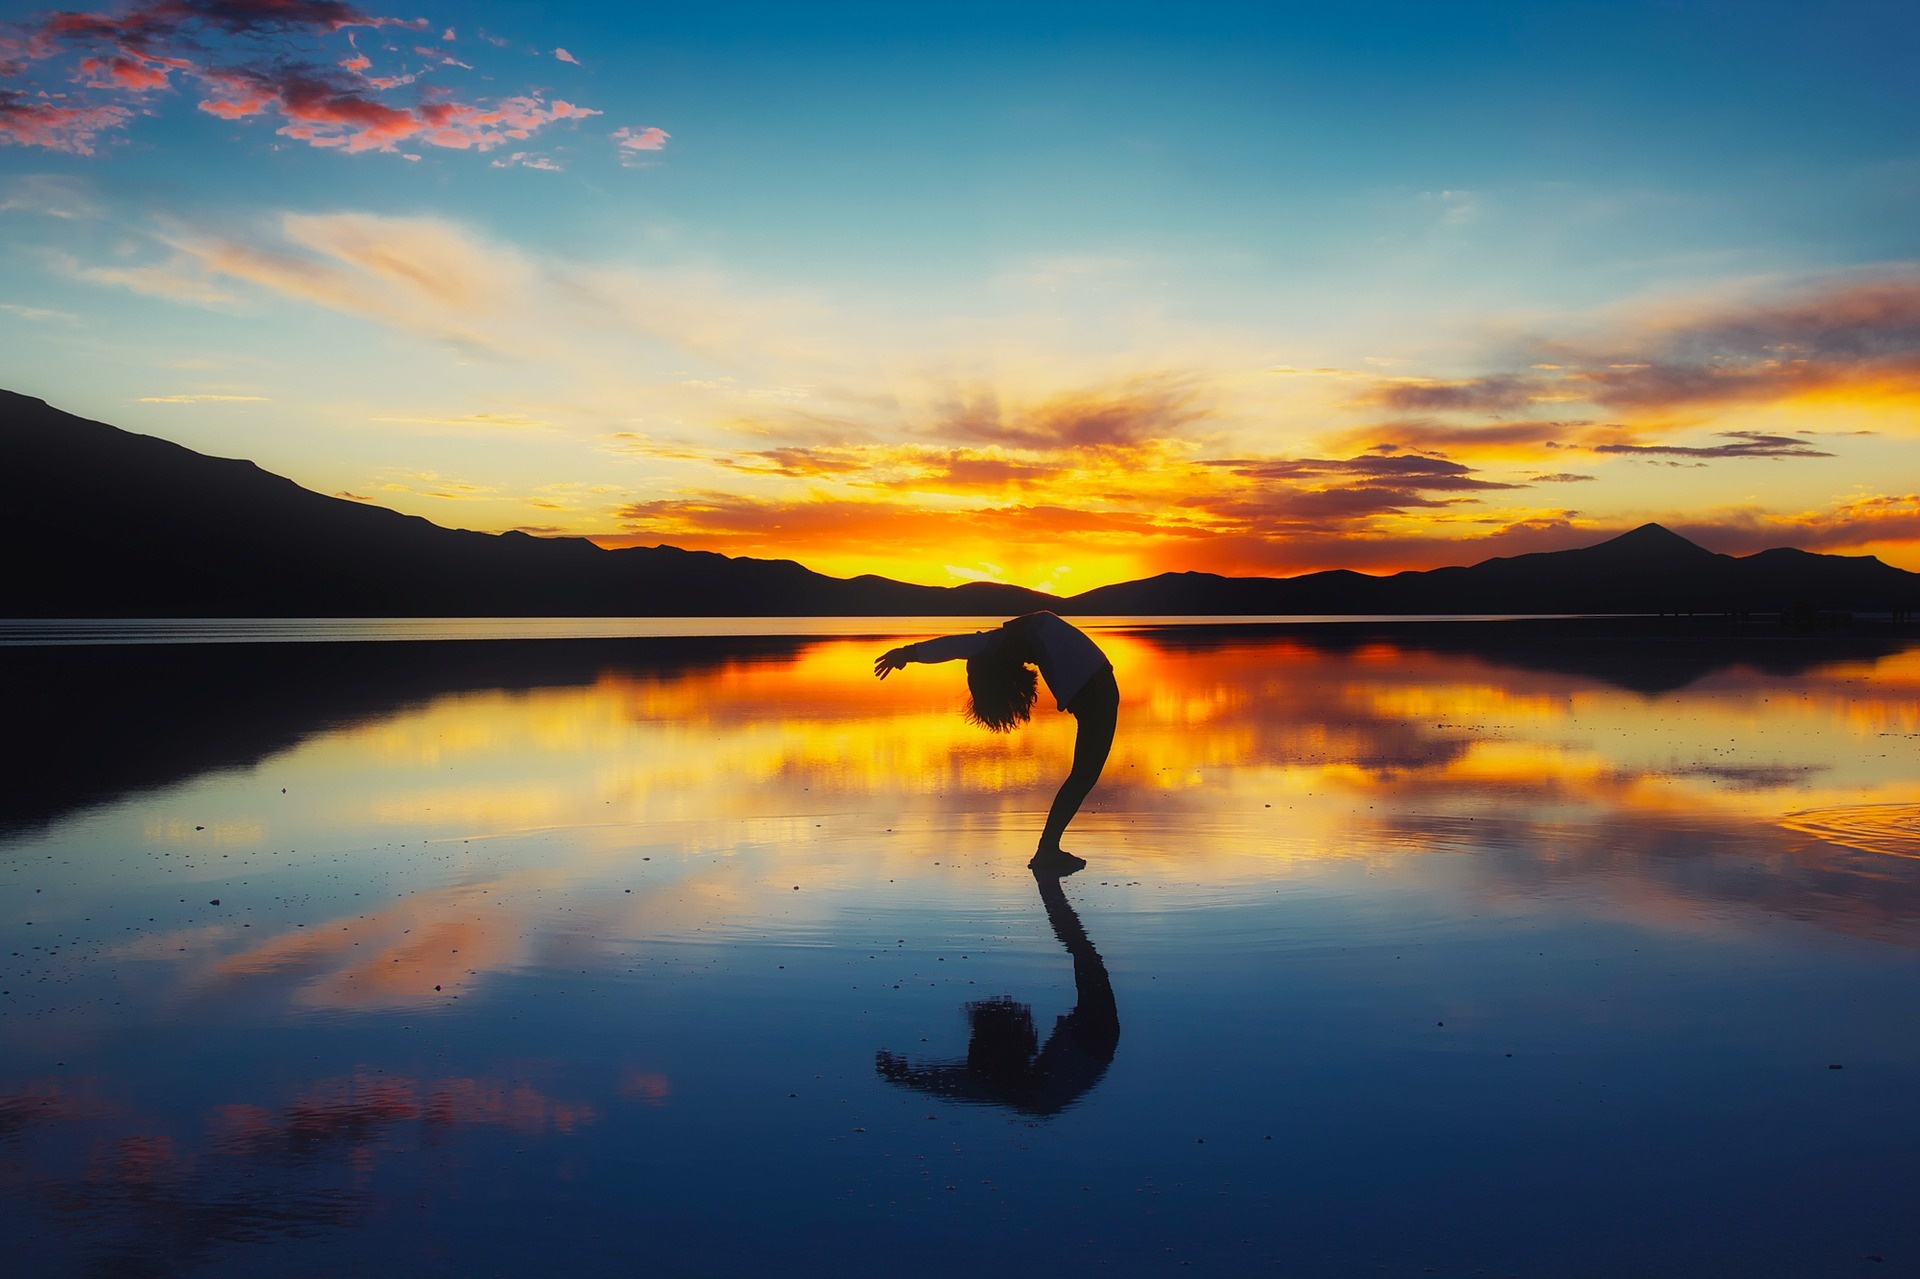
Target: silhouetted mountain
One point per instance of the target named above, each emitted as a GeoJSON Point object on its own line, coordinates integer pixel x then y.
{"type": "Point", "coordinates": [100, 522]}
{"type": "Point", "coordinates": [1649, 570]}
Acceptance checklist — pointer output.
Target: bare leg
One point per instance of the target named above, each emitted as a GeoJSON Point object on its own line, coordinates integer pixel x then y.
{"type": "Point", "coordinates": [1098, 713]}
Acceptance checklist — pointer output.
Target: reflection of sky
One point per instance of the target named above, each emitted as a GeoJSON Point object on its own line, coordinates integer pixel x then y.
{"type": "Point", "coordinates": [550, 913]}
{"type": "Point", "coordinates": [462, 825]}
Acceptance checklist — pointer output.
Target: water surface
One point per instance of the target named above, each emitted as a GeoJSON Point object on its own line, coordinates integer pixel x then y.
{"type": "Point", "coordinates": [687, 957]}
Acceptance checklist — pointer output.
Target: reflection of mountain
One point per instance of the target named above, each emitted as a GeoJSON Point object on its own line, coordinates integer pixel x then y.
{"type": "Point", "coordinates": [1642, 655]}
{"type": "Point", "coordinates": [100, 522]}
{"type": "Point", "coordinates": [88, 725]}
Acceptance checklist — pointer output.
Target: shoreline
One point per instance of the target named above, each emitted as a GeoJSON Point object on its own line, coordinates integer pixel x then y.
{"type": "Point", "coordinates": [28, 633]}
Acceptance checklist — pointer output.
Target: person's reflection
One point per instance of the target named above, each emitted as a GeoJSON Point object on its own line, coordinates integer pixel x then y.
{"type": "Point", "coordinates": [1006, 1064]}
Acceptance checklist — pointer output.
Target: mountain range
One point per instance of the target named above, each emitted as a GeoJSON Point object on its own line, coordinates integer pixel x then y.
{"type": "Point", "coordinates": [101, 522]}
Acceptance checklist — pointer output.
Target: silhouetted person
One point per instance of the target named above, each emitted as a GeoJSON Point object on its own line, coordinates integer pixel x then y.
{"type": "Point", "coordinates": [1001, 692]}
{"type": "Point", "coordinates": [1003, 1067]}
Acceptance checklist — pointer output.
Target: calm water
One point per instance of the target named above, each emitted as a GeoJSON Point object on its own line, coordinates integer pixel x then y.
{"type": "Point", "coordinates": [1470, 956]}
{"type": "Point", "coordinates": [15, 632]}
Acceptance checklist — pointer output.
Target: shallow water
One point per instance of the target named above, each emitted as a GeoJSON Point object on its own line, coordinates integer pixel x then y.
{"type": "Point", "coordinates": [1392, 957]}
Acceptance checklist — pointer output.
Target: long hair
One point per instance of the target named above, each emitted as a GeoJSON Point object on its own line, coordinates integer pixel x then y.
{"type": "Point", "coordinates": [1003, 1041]}
{"type": "Point", "coordinates": [1001, 688]}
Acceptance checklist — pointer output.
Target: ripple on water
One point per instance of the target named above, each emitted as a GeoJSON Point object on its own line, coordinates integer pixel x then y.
{"type": "Point", "coordinates": [1890, 830]}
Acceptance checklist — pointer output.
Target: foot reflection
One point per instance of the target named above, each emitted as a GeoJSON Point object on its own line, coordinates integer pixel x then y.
{"type": "Point", "coordinates": [1006, 1065]}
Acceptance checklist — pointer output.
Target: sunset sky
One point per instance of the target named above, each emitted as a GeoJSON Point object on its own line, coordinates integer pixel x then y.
{"type": "Point", "coordinates": [1042, 293]}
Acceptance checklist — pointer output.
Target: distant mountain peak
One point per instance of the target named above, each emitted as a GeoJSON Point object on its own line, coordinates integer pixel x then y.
{"type": "Point", "coordinates": [1653, 539]}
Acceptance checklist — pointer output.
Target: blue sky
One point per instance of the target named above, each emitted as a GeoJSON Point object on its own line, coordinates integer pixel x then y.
{"type": "Point", "coordinates": [1047, 293]}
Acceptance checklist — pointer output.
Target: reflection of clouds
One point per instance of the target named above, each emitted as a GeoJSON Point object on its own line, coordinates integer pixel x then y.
{"type": "Point", "coordinates": [1278, 749]}
{"type": "Point", "coordinates": [646, 1086]}
{"type": "Point", "coordinates": [158, 1201]}
{"type": "Point", "coordinates": [439, 943]}
{"type": "Point", "coordinates": [1665, 872]}
{"type": "Point", "coordinates": [421, 949]}
{"type": "Point", "coordinates": [49, 1101]}
{"type": "Point", "coordinates": [357, 1109]}
{"type": "Point", "coordinates": [755, 738]}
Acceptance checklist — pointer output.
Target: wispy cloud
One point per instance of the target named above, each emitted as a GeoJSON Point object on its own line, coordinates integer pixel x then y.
{"type": "Point", "coordinates": [176, 279]}
{"type": "Point", "coordinates": [470, 421]}
{"type": "Point", "coordinates": [1846, 333]}
{"type": "Point", "coordinates": [48, 195]}
{"type": "Point", "coordinates": [57, 126]}
{"type": "Point", "coordinates": [529, 160]}
{"type": "Point", "coordinates": [1738, 444]}
{"type": "Point", "coordinates": [203, 399]}
{"type": "Point", "coordinates": [39, 315]}
{"type": "Point", "coordinates": [446, 281]}
{"type": "Point", "coordinates": [1148, 409]}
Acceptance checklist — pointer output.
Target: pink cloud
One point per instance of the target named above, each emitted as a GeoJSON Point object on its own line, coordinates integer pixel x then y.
{"type": "Point", "coordinates": [134, 75]}
{"type": "Point", "coordinates": [327, 114]}
{"type": "Point", "coordinates": [564, 56]}
{"type": "Point", "coordinates": [461, 126]}
{"type": "Point", "coordinates": [30, 123]}
{"type": "Point", "coordinates": [261, 58]}
{"type": "Point", "coordinates": [632, 141]}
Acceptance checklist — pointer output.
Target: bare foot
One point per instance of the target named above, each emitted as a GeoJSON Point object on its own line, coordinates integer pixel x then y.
{"type": "Point", "coordinates": [1056, 861]}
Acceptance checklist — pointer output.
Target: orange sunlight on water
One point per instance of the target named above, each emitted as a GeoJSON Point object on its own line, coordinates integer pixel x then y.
{"type": "Point", "coordinates": [691, 800]}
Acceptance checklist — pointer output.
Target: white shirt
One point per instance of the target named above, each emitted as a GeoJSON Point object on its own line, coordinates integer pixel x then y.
{"type": "Point", "coordinates": [1067, 658]}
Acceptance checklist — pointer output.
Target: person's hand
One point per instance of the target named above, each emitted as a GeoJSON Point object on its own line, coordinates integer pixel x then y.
{"type": "Point", "coordinates": [888, 662]}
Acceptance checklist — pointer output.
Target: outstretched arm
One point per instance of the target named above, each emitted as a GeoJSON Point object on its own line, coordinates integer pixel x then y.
{"type": "Point", "coordinates": [945, 649]}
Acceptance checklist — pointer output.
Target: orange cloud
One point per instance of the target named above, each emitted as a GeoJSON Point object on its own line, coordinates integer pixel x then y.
{"type": "Point", "coordinates": [1150, 409]}
{"type": "Point", "coordinates": [1851, 334]}
{"type": "Point", "coordinates": [1527, 439]}
{"type": "Point", "coordinates": [1857, 524]}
